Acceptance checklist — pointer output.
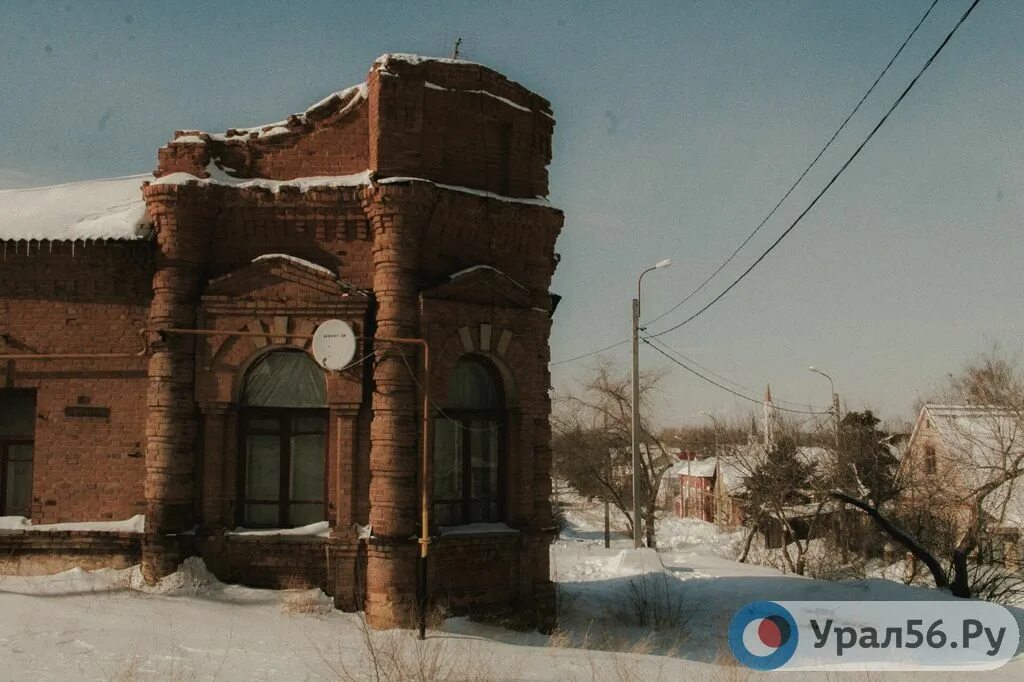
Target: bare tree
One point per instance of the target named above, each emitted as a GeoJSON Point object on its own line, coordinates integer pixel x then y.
{"type": "Point", "coordinates": [593, 441]}
{"type": "Point", "coordinates": [784, 493]}
{"type": "Point", "coordinates": [978, 460]}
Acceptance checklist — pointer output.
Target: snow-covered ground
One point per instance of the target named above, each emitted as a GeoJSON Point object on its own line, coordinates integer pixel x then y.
{"type": "Point", "coordinates": [616, 622]}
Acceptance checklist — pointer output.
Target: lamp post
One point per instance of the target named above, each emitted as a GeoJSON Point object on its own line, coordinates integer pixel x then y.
{"type": "Point", "coordinates": [637, 543]}
{"type": "Point", "coordinates": [835, 401]}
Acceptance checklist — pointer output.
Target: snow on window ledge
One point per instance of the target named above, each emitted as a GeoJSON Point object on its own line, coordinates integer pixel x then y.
{"type": "Point", "coordinates": [478, 529]}
{"type": "Point", "coordinates": [136, 524]}
{"type": "Point", "coordinates": [320, 529]}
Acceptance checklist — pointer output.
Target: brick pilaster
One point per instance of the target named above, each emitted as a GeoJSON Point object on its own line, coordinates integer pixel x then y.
{"type": "Point", "coordinates": [398, 216]}
{"type": "Point", "coordinates": [182, 220]}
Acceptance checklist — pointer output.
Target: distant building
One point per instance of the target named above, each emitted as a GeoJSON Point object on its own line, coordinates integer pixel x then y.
{"type": "Point", "coordinates": [952, 451]}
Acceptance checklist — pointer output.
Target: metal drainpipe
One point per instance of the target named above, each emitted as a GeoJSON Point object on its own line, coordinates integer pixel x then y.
{"type": "Point", "coordinates": [81, 356]}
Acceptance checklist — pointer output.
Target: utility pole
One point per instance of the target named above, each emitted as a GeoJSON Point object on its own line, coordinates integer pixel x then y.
{"type": "Point", "coordinates": [835, 411]}
{"type": "Point", "coordinates": [835, 402]}
{"type": "Point", "coordinates": [610, 471]}
{"type": "Point", "coordinates": [637, 542]}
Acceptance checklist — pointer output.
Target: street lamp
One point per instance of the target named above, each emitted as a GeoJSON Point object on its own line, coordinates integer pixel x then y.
{"type": "Point", "coordinates": [636, 401]}
{"type": "Point", "coordinates": [714, 421]}
{"type": "Point", "coordinates": [835, 400]}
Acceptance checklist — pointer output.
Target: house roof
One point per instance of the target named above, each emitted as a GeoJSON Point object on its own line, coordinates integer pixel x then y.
{"type": "Point", "coordinates": [738, 462]}
{"type": "Point", "coordinates": [112, 208]}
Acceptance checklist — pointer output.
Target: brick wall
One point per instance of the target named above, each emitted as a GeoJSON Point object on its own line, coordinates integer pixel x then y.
{"type": "Point", "coordinates": [93, 298]}
{"type": "Point", "coordinates": [273, 561]}
{"type": "Point", "coordinates": [44, 553]}
{"type": "Point", "coordinates": [458, 124]}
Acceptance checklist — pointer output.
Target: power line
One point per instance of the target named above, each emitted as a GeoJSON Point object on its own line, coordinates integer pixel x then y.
{"type": "Point", "coordinates": [831, 182]}
{"type": "Point", "coordinates": [805, 172]}
{"type": "Point", "coordinates": [719, 376]}
{"type": "Point", "coordinates": [588, 354]}
{"type": "Point", "coordinates": [650, 342]}
{"type": "Point", "coordinates": [775, 208]}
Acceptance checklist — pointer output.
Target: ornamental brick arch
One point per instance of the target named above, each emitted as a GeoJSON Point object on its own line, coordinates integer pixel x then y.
{"type": "Point", "coordinates": [466, 341]}
{"type": "Point", "coordinates": [222, 378]}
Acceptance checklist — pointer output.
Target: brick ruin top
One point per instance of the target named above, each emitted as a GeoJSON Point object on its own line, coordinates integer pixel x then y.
{"type": "Point", "coordinates": [446, 121]}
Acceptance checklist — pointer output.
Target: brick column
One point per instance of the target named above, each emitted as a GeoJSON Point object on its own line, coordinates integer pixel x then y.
{"type": "Point", "coordinates": [182, 228]}
{"type": "Point", "coordinates": [398, 216]}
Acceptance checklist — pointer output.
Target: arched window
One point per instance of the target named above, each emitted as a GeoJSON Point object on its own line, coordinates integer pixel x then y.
{"type": "Point", "coordinates": [468, 446]}
{"type": "Point", "coordinates": [284, 442]}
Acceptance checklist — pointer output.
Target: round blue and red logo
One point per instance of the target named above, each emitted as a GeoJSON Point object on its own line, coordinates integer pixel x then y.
{"type": "Point", "coordinates": [763, 635]}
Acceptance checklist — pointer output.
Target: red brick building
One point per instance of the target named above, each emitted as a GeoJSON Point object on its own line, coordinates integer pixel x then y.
{"type": "Point", "coordinates": [407, 206]}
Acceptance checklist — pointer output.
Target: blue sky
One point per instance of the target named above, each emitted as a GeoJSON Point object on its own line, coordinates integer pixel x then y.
{"type": "Point", "coordinates": [679, 125]}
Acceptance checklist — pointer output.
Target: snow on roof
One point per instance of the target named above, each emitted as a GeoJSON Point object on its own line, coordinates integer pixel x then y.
{"type": "Point", "coordinates": [979, 440]}
{"type": "Point", "coordinates": [298, 261]}
{"type": "Point", "coordinates": [111, 208]}
{"type": "Point", "coordinates": [535, 201]}
{"type": "Point", "coordinates": [462, 273]}
{"type": "Point", "coordinates": [219, 176]}
{"type": "Point", "coordinates": [414, 59]}
{"type": "Point", "coordinates": [697, 468]}
{"type": "Point", "coordinates": [505, 100]}
{"type": "Point", "coordinates": [350, 98]}
{"type": "Point", "coordinates": [738, 461]}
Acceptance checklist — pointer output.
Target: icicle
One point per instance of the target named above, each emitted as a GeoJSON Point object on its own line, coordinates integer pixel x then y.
{"type": "Point", "coordinates": [51, 246]}
{"type": "Point", "coordinates": [72, 248]}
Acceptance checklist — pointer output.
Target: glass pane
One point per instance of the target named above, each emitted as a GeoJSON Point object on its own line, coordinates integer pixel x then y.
{"type": "Point", "coordinates": [17, 413]}
{"type": "Point", "coordinates": [307, 474]}
{"type": "Point", "coordinates": [265, 424]}
{"type": "Point", "coordinates": [19, 488]}
{"type": "Point", "coordinates": [448, 514]}
{"type": "Point", "coordinates": [484, 469]}
{"type": "Point", "coordinates": [447, 460]}
{"type": "Point", "coordinates": [263, 468]}
{"type": "Point", "coordinates": [305, 514]}
{"type": "Point", "coordinates": [286, 379]}
{"type": "Point", "coordinates": [21, 452]}
{"type": "Point", "coordinates": [261, 515]}
{"type": "Point", "coordinates": [315, 424]}
{"type": "Point", "coordinates": [472, 386]}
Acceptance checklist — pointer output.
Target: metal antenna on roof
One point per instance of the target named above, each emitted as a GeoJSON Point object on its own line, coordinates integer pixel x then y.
{"type": "Point", "coordinates": [455, 50]}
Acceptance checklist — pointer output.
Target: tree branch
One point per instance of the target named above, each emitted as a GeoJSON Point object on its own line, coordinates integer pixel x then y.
{"type": "Point", "coordinates": [900, 536]}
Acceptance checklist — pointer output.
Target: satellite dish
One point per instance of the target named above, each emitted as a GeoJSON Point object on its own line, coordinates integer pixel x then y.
{"type": "Point", "coordinates": [334, 345]}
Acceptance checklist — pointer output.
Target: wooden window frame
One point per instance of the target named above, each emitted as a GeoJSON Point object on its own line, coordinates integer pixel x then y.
{"type": "Point", "coordinates": [463, 417]}
{"type": "Point", "coordinates": [463, 420]}
{"type": "Point", "coordinates": [22, 439]}
{"type": "Point", "coordinates": [285, 417]}
{"type": "Point", "coordinates": [930, 461]}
